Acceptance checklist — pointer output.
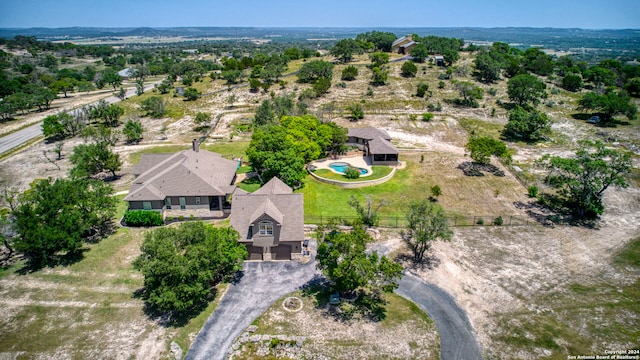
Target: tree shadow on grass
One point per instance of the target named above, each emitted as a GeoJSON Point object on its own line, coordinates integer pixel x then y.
{"type": "Point", "coordinates": [176, 319]}
{"type": "Point", "coordinates": [32, 264]}
{"type": "Point", "coordinates": [357, 305]}
{"type": "Point", "coordinates": [478, 169]}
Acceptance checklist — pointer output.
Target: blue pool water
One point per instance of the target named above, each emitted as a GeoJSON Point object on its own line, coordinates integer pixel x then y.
{"type": "Point", "coordinates": [341, 167]}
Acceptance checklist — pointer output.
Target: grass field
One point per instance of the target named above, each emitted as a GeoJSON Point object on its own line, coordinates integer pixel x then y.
{"type": "Point", "coordinates": [87, 309]}
{"type": "Point", "coordinates": [461, 195]}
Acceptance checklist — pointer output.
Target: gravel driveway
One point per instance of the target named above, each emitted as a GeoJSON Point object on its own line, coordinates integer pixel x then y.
{"type": "Point", "coordinates": [261, 285]}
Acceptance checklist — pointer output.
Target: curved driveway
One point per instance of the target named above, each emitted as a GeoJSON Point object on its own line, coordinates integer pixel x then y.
{"type": "Point", "coordinates": [456, 335]}
{"type": "Point", "coordinates": [261, 285]}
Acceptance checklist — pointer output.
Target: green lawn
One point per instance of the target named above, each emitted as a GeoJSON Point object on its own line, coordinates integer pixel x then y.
{"type": "Point", "coordinates": [326, 200]}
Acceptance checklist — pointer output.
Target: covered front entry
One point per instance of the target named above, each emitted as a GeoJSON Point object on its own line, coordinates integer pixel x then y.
{"type": "Point", "coordinates": [281, 252]}
{"type": "Point", "coordinates": [255, 253]}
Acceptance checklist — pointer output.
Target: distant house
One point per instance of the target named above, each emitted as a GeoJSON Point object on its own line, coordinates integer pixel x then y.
{"type": "Point", "coordinates": [270, 221]}
{"type": "Point", "coordinates": [375, 143]}
{"type": "Point", "coordinates": [403, 45]}
{"type": "Point", "coordinates": [191, 182]}
{"type": "Point", "coordinates": [126, 73]}
{"type": "Point", "coordinates": [438, 60]}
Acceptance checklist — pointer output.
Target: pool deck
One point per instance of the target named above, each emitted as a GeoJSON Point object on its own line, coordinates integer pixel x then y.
{"type": "Point", "coordinates": [356, 161]}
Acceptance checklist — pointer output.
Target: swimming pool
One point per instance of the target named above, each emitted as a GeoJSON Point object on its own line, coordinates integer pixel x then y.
{"type": "Point", "coordinates": [341, 167]}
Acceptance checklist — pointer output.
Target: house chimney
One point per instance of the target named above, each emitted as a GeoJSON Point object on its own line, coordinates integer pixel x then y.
{"type": "Point", "coordinates": [194, 145]}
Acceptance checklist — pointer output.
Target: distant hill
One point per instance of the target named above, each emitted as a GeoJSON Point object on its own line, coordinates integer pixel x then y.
{"type": "Point", "coordinates": [626, 40]}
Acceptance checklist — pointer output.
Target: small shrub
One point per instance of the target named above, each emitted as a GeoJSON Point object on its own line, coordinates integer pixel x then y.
{"type": "Point", "coordinates": [369, 91]}
{"type": "Point", "coordinates": [436, 107]}
{"type": "Point", "coordinates": [181, 218]}
{"type": "Point", "coordinates": [441, 84]}
{"type": "Point", "coordinates": [480, 221]}
{"type": "Point", "coordinates": [442, 77]}
{"type": "Point", "coordinates": [421, 158]}
{"type": "Point", "coordinates": [427, 116]}
{"type": "Point", "coordinates": [422, 89]}
{"type": "Point", "coordinates": [493, 112]}
{"type": "Point", "coordinates": [436, 191]}
{"type": "Point", "coordinates": [342, 84]}
{"type": "Point", "coordinates": [274, 343]}
{"type": "Point", "coordinates": [492, 91]}
{"type": "Point", "coordinates": [555, 91]}
{"type": "Point", "coordinates": [498, 221]}
{"type": "Point", "coordinates": [357, 112]}
{"type": "Point", "coordinates": [352, 173]}
{"type": "Point", "coordinates": [533, 191]}
{"type": "Point", "coordinates": [413, 117]}
{"type": "Point", "coordinates": [143, 218]}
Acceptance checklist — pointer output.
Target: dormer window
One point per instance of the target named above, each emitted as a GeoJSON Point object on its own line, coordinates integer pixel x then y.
{"type": "Point", "coordinates": [266, 228]}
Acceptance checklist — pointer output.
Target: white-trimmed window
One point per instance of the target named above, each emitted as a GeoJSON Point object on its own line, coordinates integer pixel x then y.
{"type": "Point", "coordinates": [146, 205]}
{"type": "Point", "coordinates": [197, 200]}
{"type": "Point", "coordinates": [167, 203]}
{"type": "Point", "coordinates": [266, 228]}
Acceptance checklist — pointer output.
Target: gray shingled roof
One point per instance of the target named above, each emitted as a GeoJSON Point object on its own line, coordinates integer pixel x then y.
{"type": "Point", "coordinates": [277, 202]}
{"type": "Point", "coordinates": [186, 173]}
{"type": "Point", "coordinates": [382, 146]}
{"type": "Point", "coordinates": [274, 186]}
{"type": "Point", "coordinates": [368, 133]}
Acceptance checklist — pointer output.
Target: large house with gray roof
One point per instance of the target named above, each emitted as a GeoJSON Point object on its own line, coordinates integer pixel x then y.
{"type": "Point", "coordinates": [190, 182]}
{"type": "Point", "coordinates": [403, 45]}
{"type": "Point", "coordinates": [375, 143]}
{"type": "Point", "coordinates": [270, 221]}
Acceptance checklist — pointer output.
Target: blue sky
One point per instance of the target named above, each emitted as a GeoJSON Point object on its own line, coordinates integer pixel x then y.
{"type": "Point", "coordinates": [590, 14]}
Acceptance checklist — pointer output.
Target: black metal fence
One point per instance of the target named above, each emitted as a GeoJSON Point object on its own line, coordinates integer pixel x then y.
{"type": "Point", "coordinates": [454, 221]}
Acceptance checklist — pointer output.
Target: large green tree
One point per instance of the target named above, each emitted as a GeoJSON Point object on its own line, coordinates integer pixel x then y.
{"type": "Point", "coordinates": [426, 224]}
{"type": "Point", "coordinates": [609, 105]}
{"type": "Point", "coordinates": [313, 70]}
{"type": "Point", "coordinates": [132, 131]}
{"type": "Point", "coordinates": [345, 49]}
{"type": "Point", "coordinates": [583, 179]}
{"type": "Point", "coordinates": [409, 69]}
{"type": "Point", "coordinates": [92, 159]}
{"type": "Point", "coordinates": [481, 148]}
{"type": "Point", "coordinates": [381, 40]}
{"type": "Point", "coordinates": [529, 126]}
{"type": "Point", "coordinates": [469, 93]}
{"type": "Point", "coordinates": [343, 260]}
{"type": "Point", "coordinates": [109, 114]}
{"type": "Point", "coordinates": [55, 217]}
{"type": "Point", "coordinates": [282, 150]}
{"type": "Point", "coordinates": [181, 265]}
{"type": "Point", "coordinates": [419, 53]}
{"type": "Point", "coordinates": [525, 89]}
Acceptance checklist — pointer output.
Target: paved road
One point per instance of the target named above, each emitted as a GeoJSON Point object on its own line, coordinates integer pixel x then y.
{"type": "Point", "coordinates": [22, 136]}
{"type": "Point", "coordinates": [456, 335]}
{"type": "Point", "coordinates": [260, 286]}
